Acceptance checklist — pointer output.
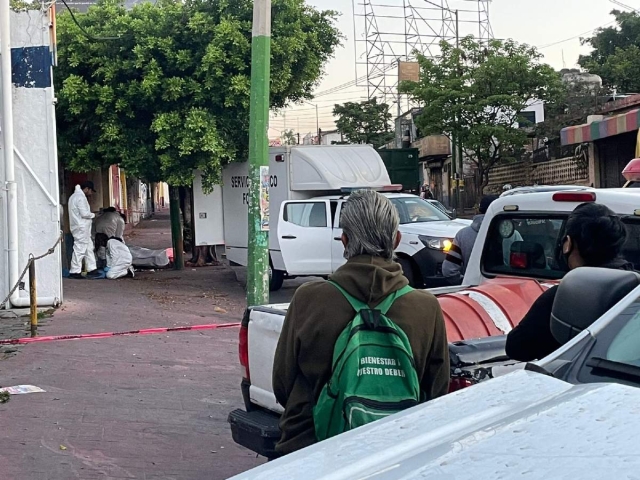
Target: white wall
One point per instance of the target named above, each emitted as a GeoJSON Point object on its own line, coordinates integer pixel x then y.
{"type": "Point", "coordinates": [35, 139]}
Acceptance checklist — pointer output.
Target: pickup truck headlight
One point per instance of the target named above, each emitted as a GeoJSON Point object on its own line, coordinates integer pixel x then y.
{"type": "Point", "coordinates": [436, 243]}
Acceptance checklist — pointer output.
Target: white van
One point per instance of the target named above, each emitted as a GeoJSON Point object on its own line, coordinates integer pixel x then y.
{"type": "Point", "coordinates": [308, 186]}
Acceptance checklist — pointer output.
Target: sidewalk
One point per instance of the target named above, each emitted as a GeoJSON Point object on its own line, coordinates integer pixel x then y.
{"type": "Point", "coordinates": [143, 407]}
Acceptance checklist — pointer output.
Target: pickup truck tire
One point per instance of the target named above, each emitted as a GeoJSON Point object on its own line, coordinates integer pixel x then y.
{"type": "Point", "coordinates": [276, 279]}
{"type": "Point", "coordinates": [409, 270]}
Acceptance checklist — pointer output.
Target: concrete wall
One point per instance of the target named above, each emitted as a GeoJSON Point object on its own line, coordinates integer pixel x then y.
{"type": "Point", "coordinates": [35, 140]}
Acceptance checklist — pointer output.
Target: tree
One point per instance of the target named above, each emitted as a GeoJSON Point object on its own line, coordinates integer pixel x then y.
{"type": "Point", "coordinates": [364, 122]}
{"type": "Point", "coordinates": [616, 53]}
{"type": "Point", "coordinates": [578, 97]}
{"type": "Point", "coordinates": [476, 92]}
{"type": "Point", "coordinates": [289, 138]}
{"type": "Point", "coordinates": [163, 88]}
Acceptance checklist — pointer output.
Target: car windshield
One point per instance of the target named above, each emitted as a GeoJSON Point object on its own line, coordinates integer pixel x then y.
{"type": "Point", "coordinates": [527, 245]}
{"type": "Point", "coordinates": [415, 210]}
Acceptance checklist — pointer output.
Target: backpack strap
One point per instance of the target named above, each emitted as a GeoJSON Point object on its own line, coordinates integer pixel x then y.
{"type": "Point", "coordinates": [383, 307]}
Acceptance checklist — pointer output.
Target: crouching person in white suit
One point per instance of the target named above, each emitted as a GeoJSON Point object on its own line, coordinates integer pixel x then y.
{"type": "Point", "coordinates": [119, 259]}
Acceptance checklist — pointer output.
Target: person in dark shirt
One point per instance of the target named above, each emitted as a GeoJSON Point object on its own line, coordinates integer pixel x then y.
{"type": "Point", "coordinates": [594, 237]}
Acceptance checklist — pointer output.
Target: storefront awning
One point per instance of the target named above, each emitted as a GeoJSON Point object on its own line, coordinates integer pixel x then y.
{"type": "Point", "coordinates": [627, 122]}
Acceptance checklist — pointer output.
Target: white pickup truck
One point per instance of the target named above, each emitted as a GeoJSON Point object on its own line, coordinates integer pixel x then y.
{"type": "Point", "coordinates": [308, 187]}
{"type": "Point", "coordinates": [492, 300]}
{"type": "Point", "coordinates": [573, 414]}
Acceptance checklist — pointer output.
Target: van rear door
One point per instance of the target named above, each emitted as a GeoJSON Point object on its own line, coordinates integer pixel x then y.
{"type": "Point", "coordinates": [304, 231]}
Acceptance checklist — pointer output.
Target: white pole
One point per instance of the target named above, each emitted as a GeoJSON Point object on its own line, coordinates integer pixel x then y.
{"type": "Point", "coordinates": [9, 159]}
{"type": "Point", "coordinates": [7, 133]}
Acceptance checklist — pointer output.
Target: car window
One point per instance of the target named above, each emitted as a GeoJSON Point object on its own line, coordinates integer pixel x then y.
{"type": "Point", "coordinates": [528, 245]}
{"type": "Point", "coordinates": [417, 210]}
{"type": "Point", "coordinates": [625, 346]}
{"type": "Point", "coordinates": [525, 245]}
{"type": "Point", "coordinates": [615, 354]}
{"type": "Point", "coordinates": [311, 214]}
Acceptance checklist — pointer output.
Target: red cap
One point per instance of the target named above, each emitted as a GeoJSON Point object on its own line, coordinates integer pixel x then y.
{"type": "Point", "coordinates": [632, 171]}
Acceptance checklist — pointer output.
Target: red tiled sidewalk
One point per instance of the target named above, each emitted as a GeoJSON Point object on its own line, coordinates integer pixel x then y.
{"type": "Point", "coordinates": [143, 407]}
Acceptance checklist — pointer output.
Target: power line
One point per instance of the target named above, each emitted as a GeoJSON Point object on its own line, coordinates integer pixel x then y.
{"type": "Point", "coordinates": [575, 36]}
{"type": "Point", "coordinates": [87, 34]}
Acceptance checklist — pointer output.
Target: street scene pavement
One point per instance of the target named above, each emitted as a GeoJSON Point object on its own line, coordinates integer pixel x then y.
{"type": "Point", "coordinates": [138, 406]}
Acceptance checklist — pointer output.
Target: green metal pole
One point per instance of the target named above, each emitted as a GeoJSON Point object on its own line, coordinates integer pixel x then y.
{"type": "Point", "coordinates": [258, 255]}
{"type": "Point", "coordinates": [176, 228]}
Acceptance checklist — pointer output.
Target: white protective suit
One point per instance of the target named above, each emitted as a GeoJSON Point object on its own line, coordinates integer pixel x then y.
{"type": "Point", "coordinates": [119, 259]}
{"type": "Point", "coordinates": [111, 224]}
{"type": "Point", "coordinates": [80, 219]}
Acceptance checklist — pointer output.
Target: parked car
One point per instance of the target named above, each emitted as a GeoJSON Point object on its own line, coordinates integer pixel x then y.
{"type": "Point", "coordinates": [573, 414]}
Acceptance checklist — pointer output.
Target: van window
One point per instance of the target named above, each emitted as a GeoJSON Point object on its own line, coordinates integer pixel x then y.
{"type": "Point", "coordinates": [311, 214]}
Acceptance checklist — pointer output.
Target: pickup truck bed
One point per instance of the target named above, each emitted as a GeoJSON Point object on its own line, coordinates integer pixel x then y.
{"type": "Point", "coordinates": [256, 427]}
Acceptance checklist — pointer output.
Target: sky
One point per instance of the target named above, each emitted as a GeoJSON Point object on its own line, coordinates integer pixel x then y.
{"type": "Point", "coordinates": [554, 26]}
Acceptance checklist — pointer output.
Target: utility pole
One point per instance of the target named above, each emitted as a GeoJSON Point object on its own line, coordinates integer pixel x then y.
{"type": "Point", "coordinates": [258, 255]}
{"type": "Point", "coordinates": [456, 146]}
{"type": "Point", "coordinates": [318, 124]}
{"type": "Point", "coordinates": [459, 143]}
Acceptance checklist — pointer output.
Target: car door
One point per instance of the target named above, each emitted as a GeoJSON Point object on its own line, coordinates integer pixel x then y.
{"type": "Point", "coordinates": [337, 248]}
{"type": "Point", "coordinates": [304, 228]}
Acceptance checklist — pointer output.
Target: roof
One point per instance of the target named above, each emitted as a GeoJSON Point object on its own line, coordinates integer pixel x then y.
{"type": "Point", "coordinates": [345, 195]}
{"type": "Point", "coordinates": [521, 425]}
{"type": "Point", "coordinates": [623, 201]}
{"type": "Point", "coordinates": [334, 167]}
{"type": "Point", "coordinates": [608, 127]}
{"type": "Point", "coordinates": [542, 188]}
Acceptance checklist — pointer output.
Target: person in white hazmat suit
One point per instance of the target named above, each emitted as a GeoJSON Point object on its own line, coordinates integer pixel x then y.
{"type": "Point", "coordinates": [109, 224]}
{"type": "Point", "coordinates": [119, 259]}
{"type": "Point", "coordinates": [80, 220]}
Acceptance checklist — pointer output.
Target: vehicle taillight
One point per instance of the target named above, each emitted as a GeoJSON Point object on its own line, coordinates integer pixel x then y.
{"type": "Point", "coordinates": [243, 350]}
{"type": "Point", "coordinates": [458, 383]}
{"type": "Point", "coordinates": [518, 260]}
{"type": "Point", "coordinates": [574, 197]}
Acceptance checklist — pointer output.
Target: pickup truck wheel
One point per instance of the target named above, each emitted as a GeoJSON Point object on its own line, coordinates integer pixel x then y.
{"type": "Point", "coordinates": [276, 279]}
{"type": "Point", "coordinates": [409, 271]}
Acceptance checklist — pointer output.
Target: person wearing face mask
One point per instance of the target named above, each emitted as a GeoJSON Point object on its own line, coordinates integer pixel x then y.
{"type": "Point", "coordinates": [594, 237]}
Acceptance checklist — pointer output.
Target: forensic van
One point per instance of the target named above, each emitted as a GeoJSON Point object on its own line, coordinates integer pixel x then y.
{"type": "Point", "coordinates": [308, 186]}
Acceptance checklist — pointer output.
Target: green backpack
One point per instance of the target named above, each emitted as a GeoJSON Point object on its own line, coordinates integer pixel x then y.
{"type": "Point", "coordinates": [373, 372]}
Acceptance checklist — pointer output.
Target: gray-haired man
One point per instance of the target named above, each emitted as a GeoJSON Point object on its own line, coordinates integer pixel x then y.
{"type": "Point", "coordinates": [319, 312]}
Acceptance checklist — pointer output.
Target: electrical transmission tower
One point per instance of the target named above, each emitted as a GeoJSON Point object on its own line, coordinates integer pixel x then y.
{"type": "Point", "coordinates": [391, 31]}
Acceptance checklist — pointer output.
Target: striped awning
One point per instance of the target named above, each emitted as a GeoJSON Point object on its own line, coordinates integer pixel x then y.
{"type": "Point", "coordinates": [627, 122]}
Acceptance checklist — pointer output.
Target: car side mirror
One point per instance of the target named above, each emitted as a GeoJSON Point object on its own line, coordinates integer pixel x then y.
{"type": "Point", "coordinates": [584, 295]}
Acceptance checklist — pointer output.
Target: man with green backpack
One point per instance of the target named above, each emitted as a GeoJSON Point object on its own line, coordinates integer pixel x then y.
{"type": "Point", "coordinates": [363, 345]}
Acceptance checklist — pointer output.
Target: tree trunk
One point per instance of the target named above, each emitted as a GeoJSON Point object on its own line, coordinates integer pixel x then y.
{"type": "Point", "coordinates": [176, 228]}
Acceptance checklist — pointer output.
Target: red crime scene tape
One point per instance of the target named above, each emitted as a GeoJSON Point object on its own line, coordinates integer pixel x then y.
{"type": "Point", "coordinates": [147, 331]}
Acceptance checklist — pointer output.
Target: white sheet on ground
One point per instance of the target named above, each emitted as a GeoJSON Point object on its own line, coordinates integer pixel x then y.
{"type": "Point", "coordinates": [145, 257]}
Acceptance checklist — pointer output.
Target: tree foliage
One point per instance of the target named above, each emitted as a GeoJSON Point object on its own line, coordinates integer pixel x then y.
{"type": "Point", "coordinates": [476, 92]}
{"type": "Point", "coordinates": [616, 53]}
{"type": "Point", "coordinates": [576, 100]}
{"type": "Point", "coordinates": [171, 93]}
{"type": "Point", "coordinates": [364, 122]}
{"type": "Point", "coordinates": [288, 138]}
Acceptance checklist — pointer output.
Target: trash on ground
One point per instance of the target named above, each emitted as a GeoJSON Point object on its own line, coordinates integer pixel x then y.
{"type": "Point", "coordinates": [21, 389]}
